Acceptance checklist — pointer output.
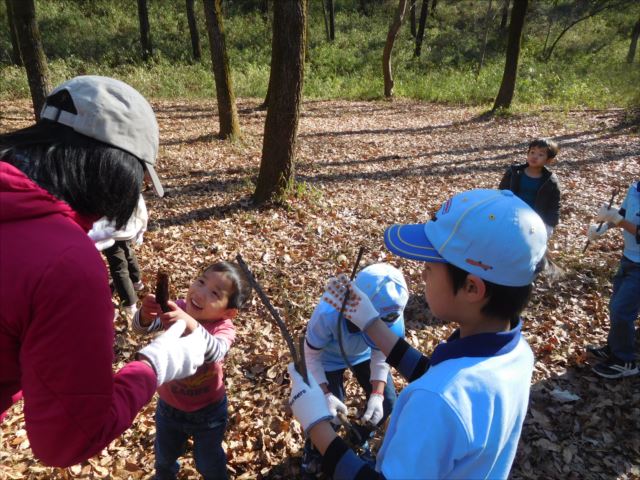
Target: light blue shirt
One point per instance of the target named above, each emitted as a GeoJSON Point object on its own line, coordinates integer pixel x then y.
{"type": "Point", "coordinates": [463, 417]}
{"type": "Point", "coordinates": [631, 207]}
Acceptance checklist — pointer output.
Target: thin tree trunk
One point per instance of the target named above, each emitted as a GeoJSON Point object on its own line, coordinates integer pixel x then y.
{"type": "Point", "coordinates": [16, 57]}
{"type": "Point", "coordinates": [332, 22]}
{"type": "Point", "coordinates": [193, 30]}
{"type": "Point", "coordinates": [508, 85]}
{"type": "Point", "coordinates": [326, 21]}
{"type": "Point", "coordinates": [30, 44]}
{"type": "Point", "coordinates": [412, 17]}
{"type": "Point", "coordinates": [227, 112]}
{"type": "Point", "coordinates": [145, 34]}
{"type": "Point", "coordinates": [388, 47]}
{"type": "Point", "coordinates": [634, 42]}
{"type": "Point", "coordinates": [433, 7]}
{"type": "Point", "coordinates": [363, 7]}
{"type": "Point", "coordinates": [484, 38]}
{"type": "Point", "coordinates": [421, 26]}
{"type": "Point", "coordinates": [277, 167]}
{"type": "Point", "coordinates": [505, 15]}
{"type": "Point", "coordinates": [264, 8]}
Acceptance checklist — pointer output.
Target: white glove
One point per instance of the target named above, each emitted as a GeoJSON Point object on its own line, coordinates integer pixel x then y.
{"type": "Point", "coordinates": [373, 413]}
{"type": "Point", "coordinates": [609, 215]}
{"type": "Point", "coordinates": [173, 356]}
{"type": "Point", "coordinates": [139, 238]}
{"type": "Point", "coordinates": [102, 234]}
{"type": "Point", "coordinates": [307, 402]}
{"type": "Point", "coordinates": [335, 405]}
{"type": "Point", "coordinates": [358, 308]}
{"type": "Point", "coordinates": [594, 233]}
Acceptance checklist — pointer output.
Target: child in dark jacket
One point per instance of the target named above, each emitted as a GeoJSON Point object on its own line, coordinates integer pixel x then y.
{"type": "Point", "coordinates": [534, 183]}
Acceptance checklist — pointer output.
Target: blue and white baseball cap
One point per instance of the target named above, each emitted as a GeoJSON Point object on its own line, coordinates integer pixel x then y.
{"type": "Point", "coordinates": [490, 233]}
{"type": "Point", "coordinates": [386, 288]}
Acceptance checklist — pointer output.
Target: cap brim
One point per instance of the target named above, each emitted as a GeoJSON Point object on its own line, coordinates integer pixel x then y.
{"type": "Point", "coordinates": [410, 241]}
{"type": "Point", "coordinates": [155, 180]}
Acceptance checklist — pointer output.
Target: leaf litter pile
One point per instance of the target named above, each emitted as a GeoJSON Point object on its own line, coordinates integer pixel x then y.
{"type": "Point", "coordinates": [363, 166]}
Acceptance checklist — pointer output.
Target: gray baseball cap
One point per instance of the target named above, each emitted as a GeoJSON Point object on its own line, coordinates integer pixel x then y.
{"type": "Point", "coordinates": [112, 112]}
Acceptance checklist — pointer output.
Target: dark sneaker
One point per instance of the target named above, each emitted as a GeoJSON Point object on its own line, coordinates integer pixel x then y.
{"type": "Point", "coordinates": [614, 368]}
{"type": "Point", "coordinates": [311, 463]}
{"type": "Point", "coordinates": [603, 352]}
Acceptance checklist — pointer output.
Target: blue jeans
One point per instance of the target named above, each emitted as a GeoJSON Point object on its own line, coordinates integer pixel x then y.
{"type": "Point", "coordinates": [623, 310]}
{"type": "Point", "coordinates": [206, 426]}
{"type": "Point", "coordinates": [362, 372]}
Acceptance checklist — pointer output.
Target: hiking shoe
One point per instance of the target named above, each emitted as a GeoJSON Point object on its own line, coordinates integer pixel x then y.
{"type": "Point", "coordinates": [137, 286]}
{"type": "Point", "coordinates": [603, 352]}
{"type": "Point", "coordinates": [614, 368]}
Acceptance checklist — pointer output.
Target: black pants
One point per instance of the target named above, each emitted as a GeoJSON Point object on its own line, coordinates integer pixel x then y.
{"type": "Point", "coordinates": [124, 269]}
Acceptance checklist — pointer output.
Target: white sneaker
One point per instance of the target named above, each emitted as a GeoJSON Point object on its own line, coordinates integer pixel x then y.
{"type": "Point", "coordinates": [137, 286]}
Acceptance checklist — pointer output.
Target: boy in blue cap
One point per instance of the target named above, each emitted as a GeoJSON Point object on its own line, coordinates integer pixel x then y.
{"type": "Point", "coordinates": [461, 415]}
{"type": "Point", "coordinates": [330, 344]}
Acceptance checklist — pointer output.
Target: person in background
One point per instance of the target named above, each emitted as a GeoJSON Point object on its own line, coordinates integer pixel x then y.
{"type": "Point", "coordinates": [618, 356]}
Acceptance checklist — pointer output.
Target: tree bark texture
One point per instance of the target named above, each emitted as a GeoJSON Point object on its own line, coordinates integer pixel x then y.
{"type": "Point", "coordinates": [508, 85]}
{"type": "Point", "coordinates": [421, 26]}
{"type": "Point", "coordinates": [193, 30]}
{"type": "Point", "coordinates": [227, 112]}
{"type": "Point", "coordinates": [634, 42]}
{"type": "Point", "coordinates": [277, 167]}
{"type": "Point", "coordinates": [388, 47]}
{"type": "Point", "coordinates": [145, 33]}
{"type": "Point", "coordinates": [30, 44]}
{"type": "Point", "coordinates": [16, 56]}
{"type": "Point", "coordinates": [332, 21]}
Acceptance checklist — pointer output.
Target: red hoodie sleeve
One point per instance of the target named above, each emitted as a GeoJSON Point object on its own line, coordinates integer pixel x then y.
{"type": "Point", "coordinates": [74, 404]}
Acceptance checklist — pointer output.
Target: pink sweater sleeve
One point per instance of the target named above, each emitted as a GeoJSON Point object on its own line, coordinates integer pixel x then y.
{"type": "Point", "coordinates": [74, 404]}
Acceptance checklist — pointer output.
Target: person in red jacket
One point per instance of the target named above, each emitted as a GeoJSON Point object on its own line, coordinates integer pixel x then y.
{"type": "Point", "coordinates": [85, 158]}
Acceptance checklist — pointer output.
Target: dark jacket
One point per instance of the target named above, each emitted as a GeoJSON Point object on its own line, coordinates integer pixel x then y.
{"type": "Point", "coordinates": [547, 203]}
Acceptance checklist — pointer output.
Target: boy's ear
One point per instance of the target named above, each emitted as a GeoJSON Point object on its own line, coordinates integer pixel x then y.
{"type": "Point", "coordinates": [475, 288]}
{"type": "Point", "coordinates": [231, 312]}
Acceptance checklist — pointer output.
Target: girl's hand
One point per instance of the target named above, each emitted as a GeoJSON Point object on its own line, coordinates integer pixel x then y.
{"type": "Point", "coordinates": [169, 318]}
{"type": "Point", "coordinates": [149, 310]}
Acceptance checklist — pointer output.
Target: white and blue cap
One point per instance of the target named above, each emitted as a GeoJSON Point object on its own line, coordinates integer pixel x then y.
{"type": "Point", "coordinates": [489, 233]}
{"type": "Point", "coordinates": [386, 288]}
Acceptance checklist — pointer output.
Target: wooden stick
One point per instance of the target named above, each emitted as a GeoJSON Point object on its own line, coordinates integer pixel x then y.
{"type": "Point", "coordinates": [297, 360]}
{"type": "Point", "coordinates": [344, 304]}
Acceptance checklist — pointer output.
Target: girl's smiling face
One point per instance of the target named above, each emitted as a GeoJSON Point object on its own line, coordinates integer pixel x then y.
{"type": "Point", "coordinates": [208, 297]}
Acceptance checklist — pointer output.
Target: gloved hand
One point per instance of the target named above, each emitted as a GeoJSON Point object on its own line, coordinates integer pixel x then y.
{"type": "Point", "coordinates": [358, 308]}
{"type": "Point", "coordinates": [139, 238]}
{"type": "Point", "coordinates": [609, 215]}
{"type": "Point", "coordinates": [173, 356]}
{"type": "Point", "coordinates": [335, 405]}
{"type": "Point", "coordinates": [594, 233]}
{"type": "Point", "coordinates": [307, 402]}
{"type": "Point", "coordinates": [373, 413]}
{"type": "Point", "coordinates": [102, 234]}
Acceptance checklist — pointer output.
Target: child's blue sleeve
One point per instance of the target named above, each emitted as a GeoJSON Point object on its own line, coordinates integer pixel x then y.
{"type": "Point", "coordinates": [320, 328]}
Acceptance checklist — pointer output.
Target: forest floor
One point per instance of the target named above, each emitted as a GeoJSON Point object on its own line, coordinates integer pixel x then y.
{"type": "Point", "coordinates": [367, 165]}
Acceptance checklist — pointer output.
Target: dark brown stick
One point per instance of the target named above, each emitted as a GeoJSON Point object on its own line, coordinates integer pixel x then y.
{"type": "Point", "coordinates": [344, 304]}
{"type": "Point", "coordinates": [162, 290]}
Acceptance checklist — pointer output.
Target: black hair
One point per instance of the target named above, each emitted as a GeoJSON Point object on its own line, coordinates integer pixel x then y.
{"type": "Point", "coordinates": [504, 302]}
{"type": "Point", "coordinates": [92, 177]}
{"type": "Point", "coordinates": [549, 145]}
{"type": "Point", "coordinates": [241, 287]}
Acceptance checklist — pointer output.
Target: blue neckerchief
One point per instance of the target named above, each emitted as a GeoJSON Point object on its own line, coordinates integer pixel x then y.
{"type": "Point", "coordinates": [481, 345]}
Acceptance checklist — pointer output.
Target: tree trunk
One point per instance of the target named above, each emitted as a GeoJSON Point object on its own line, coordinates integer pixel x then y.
{"type": "Point", "coordinates": [388, 47]}
{"type": "Point", "coordinates": [145, 34]}
{"type": "Point", "coordinates": [634, 42]}
{"type": "Point", "coordinates": [227, 113]}
{"type": "Point", "coordinates": [287, 75]}
{"type": "Point", "coordinates": [332, 22]}
{"type": "Point", "coordinates": [421, 26]}
{"type": "Point", "coordinates": [30, 44]}
{"type": "Point", "coordinates": [484, 38]}
{"type": "Point", "coordinates": [505, 15]}
{"type": "Point", "coordinates": [508, 85]}
{"type": "Point", "coordinates": [193, 30]}
{"type": "Point", "coordinates": [264, 8]}
{"type": "Point", "coordinates": [326, 20]}
{"type": "Point", "coordinates": [16, 57]}
{"type": "Point", "coordinates": [412, 17]}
